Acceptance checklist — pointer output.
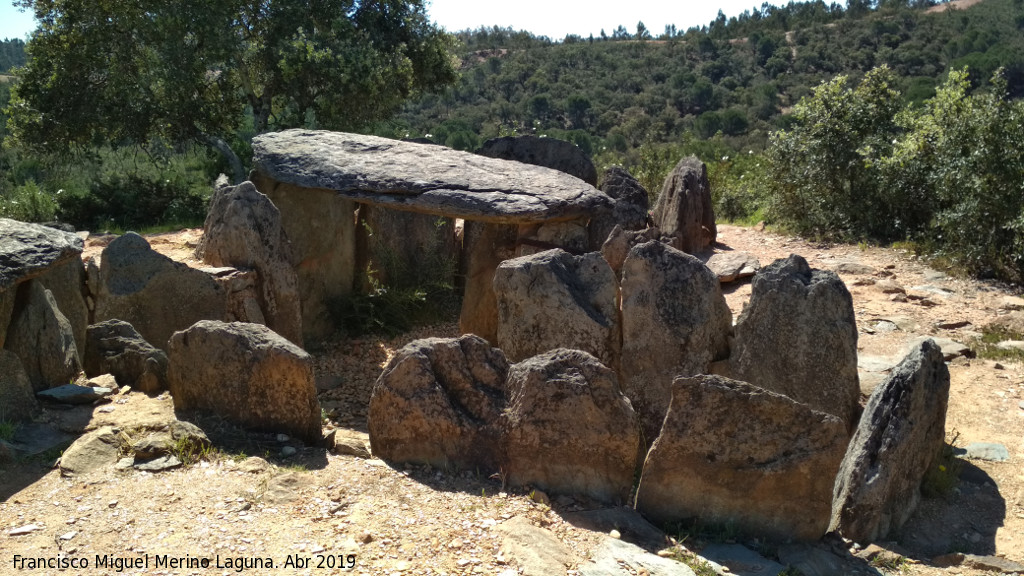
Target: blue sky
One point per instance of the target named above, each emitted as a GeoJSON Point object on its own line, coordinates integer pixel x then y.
{"type": "Point", "coordinates": [551, 18]}
{"type": "Point", "coordinates": [555, 18]}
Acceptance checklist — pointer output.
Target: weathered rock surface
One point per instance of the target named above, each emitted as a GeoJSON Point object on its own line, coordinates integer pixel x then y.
{"type": "Point", "coordinates": [900, 434]}
{"type": "Point", "coordinates": [152, 292]}
{"type": "Point", "coordinates": [423, 178]}
{"type": "Point", "coordinates": [614, 557]}
{"type": "Point", "coordinates": [244, 229]}
{"type": "Point", "coordinates": [675, 322]}
{"type": "Point", "coordinates": [66, 281]}
{"type": "Point", "coordinates": [115, 347]}
{"type": "Point", "coordinates": [733, 266]}
{"type": "Point", "coordinates": [568, 429]}
{"type": "Point", "coordinates": [740, 560]}
{"type": "Point", "coordinates": [28, 250]}
{"type": "Point", "coordinates": [950, 348]}
{"type": "Point", "coordinates": [537, 551]}
{"type": "Point", "coordinates": [798, 337]}
{"type": "Point", "coordinates": [629, 209]}
{"type": "Point", "coordinates": [620, 241]}
{"type": "Point", "coordinates": [556, 300]}
{"type": "Point", "coordinates": [684, 210]}
{"type": "Point", "coordinates": [732, 453]}
{"type": "Point", "coordinates": [485, 246]}
{"type": "Point", "coordinates": [406, 249]}
{"type": "Point", "coordinates": [547, 152]}
{"type": "Point", "coordinates": [247, 374]}
{"type": "Point", "coordinates": [97, 449]}
{"type": "Point", "coordinates": [41, 336]}
{"type": "Point", "coordinates": [322, 230]}
{"type": "Point", "coordinates": [438, 401]}
{"type": "Point", "coordinates": [17, 402]}
{"type": "Point", "coordinates": [75, 394]}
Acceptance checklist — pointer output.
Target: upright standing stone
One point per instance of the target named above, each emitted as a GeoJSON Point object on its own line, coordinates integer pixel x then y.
{"type": "Point", "coordinates": [41, 336]}
{"type": "Point", "coordinates": [29, 251]}
{"type": "Point", "coordinates": [321, 228]}
{"type": "Point", "coordinates": [798, 336]}
{"type": "Point", "coordinates": [485, 247]}
{"type": "Point", "coordinates": [732, 453]}
{"type": "Point", "coordinates": [439, 401]}
{"type": "Point", "coordinates": [631, 204]}
{"type": "Point", "coordinates": [244, 229]}
{"type": "Point", "coordinates": [153, 293]}
{"type": "Point", "coordinates": [675, 322]}
{"type": "Point", "coordinates": [556, 300]}
{"type": "Point", "coordinates": [547, 152]}
{"type": "Point", "coordinates": [17, 397]}
{"type": "Point", "coordinates": [568, 428]}
{"type": "Point", "coordinates": [684, 208]}
{"type": "Point", "coordinates": [247, 374]}
{"type": "Point", "coordinates": [900, 434]}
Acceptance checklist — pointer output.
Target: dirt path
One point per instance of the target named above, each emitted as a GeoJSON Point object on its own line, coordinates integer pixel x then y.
{"type": "Point", "coordinates": [426, 521]}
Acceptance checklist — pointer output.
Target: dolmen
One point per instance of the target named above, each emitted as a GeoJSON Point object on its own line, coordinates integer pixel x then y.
{"type": "Point", "coordinates": [319, 179]}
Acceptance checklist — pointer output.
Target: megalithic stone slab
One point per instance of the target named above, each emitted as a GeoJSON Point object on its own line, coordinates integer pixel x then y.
{"type": "Point", "coordinates": [424, 178]}
{"type": "Point", "coordinates": [899, 436]}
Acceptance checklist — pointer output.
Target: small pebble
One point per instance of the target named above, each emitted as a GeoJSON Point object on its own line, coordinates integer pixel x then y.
{"type": "Point", "coordinates": [288, 451]}
{"type": "Point", "coordinates": [283, 438]}
{"type": "Point", "coordinates": [615, 534]}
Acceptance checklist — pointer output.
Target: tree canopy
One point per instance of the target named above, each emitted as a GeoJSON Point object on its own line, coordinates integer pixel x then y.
{"type": "Point", "coordinates": [128, 71]}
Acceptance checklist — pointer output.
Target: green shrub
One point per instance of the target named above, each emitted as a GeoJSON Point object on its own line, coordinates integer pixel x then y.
{"type": "Point", "coordinates": [28, 203]}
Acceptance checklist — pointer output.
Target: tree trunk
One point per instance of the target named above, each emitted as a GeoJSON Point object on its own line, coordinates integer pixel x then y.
{"type": "Point", "coordinates": [239, 173]}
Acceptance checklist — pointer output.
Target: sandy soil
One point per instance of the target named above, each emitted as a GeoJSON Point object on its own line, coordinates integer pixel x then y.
{"type": "Point", "coordinates": [417, 520]}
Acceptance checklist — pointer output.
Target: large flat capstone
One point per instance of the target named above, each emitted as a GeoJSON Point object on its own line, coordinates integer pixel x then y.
{"type": "Point", "coordinates": [28, 250]}
{"type": "Point", "coordinates": [424, 178]}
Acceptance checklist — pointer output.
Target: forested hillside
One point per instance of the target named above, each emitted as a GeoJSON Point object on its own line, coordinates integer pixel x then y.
{"type": "Point", "coordinates": [737, 76]}
{"type": "Point", "coordinates": [12, 53]}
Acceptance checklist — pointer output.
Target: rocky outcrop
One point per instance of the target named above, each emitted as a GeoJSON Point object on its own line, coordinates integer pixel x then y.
{"type": "Point", "coordinates": [422, 178]}
{"type": "Point", "coordinates": [629, 210]}
{"type": "Point", "coordinates": [568, 429]}
{"type": "Point", "coordinates": [899, 436]}
{"type": "Point", "coordinates": [620, 241]}
{"type": "Point", "coordinates": [684, 210]}
{"type": "Point", "coordinates": [485, 246]}
{"type": "Point", "coordinates": [244, 229]}
{"type": "Point", "coordinates": [95, 450]}
{"type": "Point", "coordinates": [28, 250]}
{"type": "Point", "coordinates": [675, 322]}
{"type": "Point", "coordinates": [556, 300]}
{"type": "Point", "coordinates": [152, 292]}
{"type": "Point", "coordinates": [41, 336]}
{"type": "Point", "coordinates": [438, 401]}
{"type": "Point", "coordinates": [115, 347]}
{"type": "Point", "coordinates": [322, 231]}
{"type": "Point", "coordinates": [547, 152]}
{"type": "Point", "coordinates": [733, 266]}
{"type": "Point", "coordinates": [798, 337]}
{"type": "Point", "coordinates": [247, 374]}
{"type": "Point", "coordinates": [732, 453]}
{"type": "Point", "coordinates": [17, 401]}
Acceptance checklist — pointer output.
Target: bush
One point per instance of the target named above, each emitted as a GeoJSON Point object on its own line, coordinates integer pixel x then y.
{"type": "Point", "coordinates": [948, 174]}
{"type": "Point", "coordinates": [28, 203]}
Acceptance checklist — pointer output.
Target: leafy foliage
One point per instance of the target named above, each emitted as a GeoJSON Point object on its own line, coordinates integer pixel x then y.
{"type": "Point", "coordinates": [948, 174]}
{"type": "Point", "coordinates": [739, 76]}
{"type": "Point", "coordinates": [129, 71]}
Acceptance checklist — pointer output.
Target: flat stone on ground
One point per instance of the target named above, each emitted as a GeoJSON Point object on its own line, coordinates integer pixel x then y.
{"type": "Point", "coordinates": [985, 451]}
{"type": "Point", "coordinates": [741, 560]}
